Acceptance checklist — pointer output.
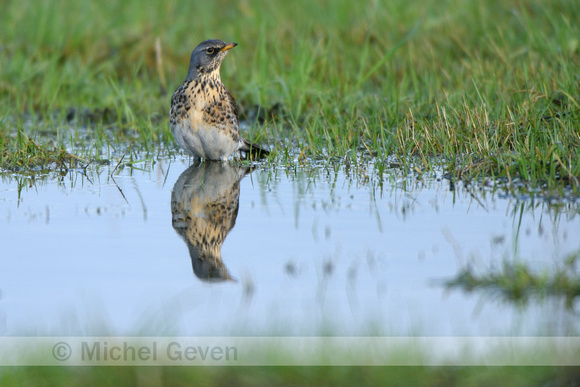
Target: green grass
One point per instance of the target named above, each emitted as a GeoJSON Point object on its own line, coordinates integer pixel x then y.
{"type": "Point", "coordinates": [24, 155]}
{"type": "Point", "coordinates": [517, 282]}
{"type": "Point", "coordinates": [483, 89]}
{"type": "Point", "coordinates": [291, 376]}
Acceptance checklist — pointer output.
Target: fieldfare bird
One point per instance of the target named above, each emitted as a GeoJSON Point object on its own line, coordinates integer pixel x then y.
{"type": "Point", "coordinates": [204, 115]}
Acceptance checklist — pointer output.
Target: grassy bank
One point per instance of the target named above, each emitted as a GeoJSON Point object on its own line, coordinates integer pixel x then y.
{"type": "Point", "coordinates": [483, 88]}
{"type": "Point", "coordinates": [291, 376]}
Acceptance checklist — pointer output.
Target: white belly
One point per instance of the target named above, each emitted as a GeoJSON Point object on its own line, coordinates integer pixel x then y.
{"type": "Point", "coordinates": [203, 141]}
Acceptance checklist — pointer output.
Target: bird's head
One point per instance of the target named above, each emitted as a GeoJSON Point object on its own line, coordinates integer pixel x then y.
{"type": "Point", "coordinates": [208, 56]}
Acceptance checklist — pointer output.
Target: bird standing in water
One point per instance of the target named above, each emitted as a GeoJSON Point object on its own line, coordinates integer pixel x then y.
{"type": "Point", "coordinates": [204, 115]}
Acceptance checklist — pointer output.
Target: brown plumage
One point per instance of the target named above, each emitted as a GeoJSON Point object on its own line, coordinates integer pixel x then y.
{"type": "Point", "coordinates": [204, 115]}
{"type": "Point", "coordinates": [204, 208]}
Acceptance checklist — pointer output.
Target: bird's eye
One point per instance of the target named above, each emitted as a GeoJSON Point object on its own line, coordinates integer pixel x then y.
{"type": "Point", "coordinates": [210, 50]}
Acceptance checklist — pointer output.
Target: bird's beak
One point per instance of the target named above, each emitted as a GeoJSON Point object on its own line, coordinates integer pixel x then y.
{"type": "Point", "coordinates": [229, 46]}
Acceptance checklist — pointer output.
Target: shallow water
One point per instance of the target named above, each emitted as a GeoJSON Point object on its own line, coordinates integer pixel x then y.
{"type": "Point", "coordinates": [222, 250]}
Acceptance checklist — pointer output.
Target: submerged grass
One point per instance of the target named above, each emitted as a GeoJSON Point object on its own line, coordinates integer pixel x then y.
{"type": "Point", "coordinates": [517, 282]}
{"type": "Point", "coordinates": [486, 89]}
{"type": "Point", "coordinates": [23, 154]}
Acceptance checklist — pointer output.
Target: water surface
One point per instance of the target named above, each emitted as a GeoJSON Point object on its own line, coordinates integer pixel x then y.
{"type": "Point", "coordinates": [218, 249]}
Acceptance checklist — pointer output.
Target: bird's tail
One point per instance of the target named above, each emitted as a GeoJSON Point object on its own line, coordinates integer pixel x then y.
{"type": "Point", "coordinates": [252, 150]}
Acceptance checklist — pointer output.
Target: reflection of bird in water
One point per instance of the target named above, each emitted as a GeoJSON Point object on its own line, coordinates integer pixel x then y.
{"type": "Point", "coordinates": [204, 207]}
